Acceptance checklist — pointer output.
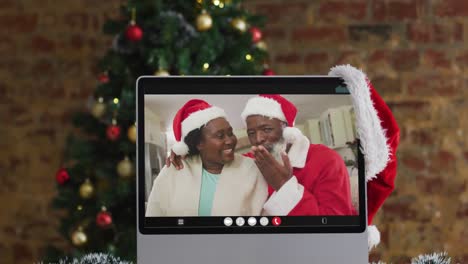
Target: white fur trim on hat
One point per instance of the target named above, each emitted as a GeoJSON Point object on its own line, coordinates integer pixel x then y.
{"type": "Point", "coordinates": [373, 236]}
{"type": "Point", "coordinates": [180, 148]}
{"type": "Point", "coordinates": [263, 106]}
{"type": "Point", "coordinates": [200, 118]}
{"type": "Point", "coordinates": [291, 134]}
{"type": "Point", "coordinates": [371, 134]}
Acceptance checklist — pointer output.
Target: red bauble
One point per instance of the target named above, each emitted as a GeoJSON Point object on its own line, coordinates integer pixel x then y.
{"type": "Point", "coordinates": [268, 72]}
{"type": "Point", "coordinates": [103, 78]}
{"type": "Point", "coordinates": [134, 33]}
{"type": "Point", "coordinates": [113, 132]}
{"type": "Point", "coordinates": [103, 219]}
{"type": "Point", "coordinates": [62, 176]}
{"type": "Point", "coordinates": [256, 34]}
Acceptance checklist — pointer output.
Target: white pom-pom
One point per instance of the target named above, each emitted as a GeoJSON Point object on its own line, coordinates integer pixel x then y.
{"type": "Point", "coordinates": [291, 134]}
{"type": "Point", "coordinates": [180, 148]}
{"type": "Point", "coordinates": [373, 236]}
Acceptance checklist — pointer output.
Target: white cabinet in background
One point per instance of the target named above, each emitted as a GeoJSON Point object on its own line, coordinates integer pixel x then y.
{"type": "Point", "coordinates": [337, 126]}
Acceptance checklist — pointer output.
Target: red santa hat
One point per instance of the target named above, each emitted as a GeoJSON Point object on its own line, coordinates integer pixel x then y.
{"type": "Point", "coordinates": [379, 137]}
{"type": "Point", "coordinates": [274, 106]}
{"type": "Point", "coordinates": [194, 114]}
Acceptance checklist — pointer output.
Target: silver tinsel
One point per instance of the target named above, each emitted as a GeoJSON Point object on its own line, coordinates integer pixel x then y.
{"type": "Point", "coordinates": [434, 258]}
{"type": "Point", "coordinates": [94, 258]}
{"type": "Point", "coordinates": [100, 258]}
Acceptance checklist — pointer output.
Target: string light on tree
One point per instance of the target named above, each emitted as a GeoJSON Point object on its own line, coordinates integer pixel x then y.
{"type": "Point", "coordinates": [86, 189]}
{"type": "Point", "coordinates": [79, 237]}
{"type": "Point", "coordinates": [204, 21]}
{"type": "Point", "coordinates": [206, 66]}
{"type": "Point", "coordinates": [248, 57]}
{"type": "Point", "coordinates": [133, 32]}
{"type": "Point", "coordinates": [104, 218]}
{"type": "Point", "coordinates": [99, 108]}
{"type": "Point", "coordinates": [62, 176]}
{"type": "Point", "coordinates": [125, 168]}
{"type": "Point", "coordinates": [239, 24]}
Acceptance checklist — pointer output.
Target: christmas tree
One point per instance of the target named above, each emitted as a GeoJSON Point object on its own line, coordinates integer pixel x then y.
{"type": "Point", "coordinates": [96, 183]}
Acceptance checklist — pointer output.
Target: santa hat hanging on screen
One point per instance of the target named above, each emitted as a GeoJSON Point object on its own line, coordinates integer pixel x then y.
{"type": "Point", "coordinates": [379, 137]}
{"type": "Point", "coordinates": [194, 114]}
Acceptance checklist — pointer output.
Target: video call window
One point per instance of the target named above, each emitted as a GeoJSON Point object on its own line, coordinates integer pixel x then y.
{"type": "Point", "coordinates": [221, 185]}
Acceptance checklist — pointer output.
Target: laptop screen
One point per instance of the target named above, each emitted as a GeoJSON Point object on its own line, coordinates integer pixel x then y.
{"type": "Point", "coordinates": [220, 155]}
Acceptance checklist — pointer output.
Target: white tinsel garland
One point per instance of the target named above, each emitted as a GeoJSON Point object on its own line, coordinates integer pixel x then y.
{"type": "Point", "coordinates": [95, 258]}
{"type": "Point", "coordinates": [434, 258]}
{"type": "Point", "coordinates": [100, 258]}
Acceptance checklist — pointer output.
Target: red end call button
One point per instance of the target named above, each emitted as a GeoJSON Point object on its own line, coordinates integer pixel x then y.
{"type": "Point", "coordinates": [276, 221]}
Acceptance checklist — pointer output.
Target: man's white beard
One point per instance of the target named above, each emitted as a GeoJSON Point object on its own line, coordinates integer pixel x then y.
{"type": "Point", "coordinates": [278, 148]}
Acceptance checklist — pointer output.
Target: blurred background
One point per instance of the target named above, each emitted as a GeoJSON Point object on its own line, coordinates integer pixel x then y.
{"type": "Point", "coordinates": [414, 52]}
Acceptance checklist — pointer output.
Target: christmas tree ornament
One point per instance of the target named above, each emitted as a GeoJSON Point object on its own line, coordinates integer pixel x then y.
{"type": "Point", "coordinates": [133, 32]}
{"type": "Point", "coordinates": [78, 237]}
{"type": "Point", "coordinates": [103, 218]}
{"type": "Point", "coordinates": [125, 168]}
{"type": "Point", "coordinates": [204, 21]}
{"type": "Point", "coordinates": [103, 77]}
{"type": "Point", "coordinates": [161, 72]}
{"type": "Point", "coordinates": [86, 189]}
{"type": "Point", "coordinates": [99, 108]}
{"type": "Point", "coordinates": [239, 24]}
{"type": "Point", "coordinates": [256, 34]}
{"type": "Point", "coordinates": [113, 131]}
{"type": "Point", "coordinates": [132, 133]}
{"type": "Point", "coordinates": [268, 72]}
{"type": "Point", "coordinates": [261, 45]}
{"type": "Point", "coordinates": [62, 176]}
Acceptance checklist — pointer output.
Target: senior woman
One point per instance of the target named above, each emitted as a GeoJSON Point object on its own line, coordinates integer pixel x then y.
{"type": "Point", "coordinates": [214, 180]}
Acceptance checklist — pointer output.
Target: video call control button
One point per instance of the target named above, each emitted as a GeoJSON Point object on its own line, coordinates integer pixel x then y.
{"type": "Point", "coordinates": [264, 221]}
{"type": "Point", "coordinates": [228, 221]}
{"type": "Point", "coordinates": [324, 220]}
{"type": "Point", "coordinates": [252, 221]}
{"type": "Point", "coordinates": [240, 221]}
{"type": "Point", "coordinates": [180, 221]}
{"type": "Point", "coordinates": [276, 221]}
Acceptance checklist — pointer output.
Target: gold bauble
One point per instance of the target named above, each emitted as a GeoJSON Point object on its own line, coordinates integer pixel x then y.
{"type": "Point", "coordinates": [239, 24]}
{"type": "Point", "coordinates": [132, 133]}
{"type": "Point", "coordinates": [204, 21]}
{"type": "Point", "coordinates": [79, 237]}
{"type": "Point", "coordinates": [86, 189]}
{"type": "Point", "coordinates": [125, 168]}
{"type": "Point", "coordinates": [161, 72]}
{"type": "Point", "coordinates": [99, 108]}
{"type": "Point", "coordinates": [261, 45]}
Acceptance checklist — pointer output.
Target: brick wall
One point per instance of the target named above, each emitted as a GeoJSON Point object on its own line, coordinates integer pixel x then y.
{"type": "Point", "coordinates": [415, 52]}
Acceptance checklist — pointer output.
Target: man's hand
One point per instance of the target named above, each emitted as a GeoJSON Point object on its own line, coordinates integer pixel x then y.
{"type": "Point", "coordinates": [175, 160]}
{"type": "Point", "coordinates": [274, 173]}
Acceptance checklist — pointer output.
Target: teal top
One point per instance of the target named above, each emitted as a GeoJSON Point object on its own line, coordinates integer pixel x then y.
{"type": "Point", "coordinates": [207, 191]}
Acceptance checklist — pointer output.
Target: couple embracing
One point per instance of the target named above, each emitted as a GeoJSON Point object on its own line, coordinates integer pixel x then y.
{"type": "Point", "coordinates": [283, 174]}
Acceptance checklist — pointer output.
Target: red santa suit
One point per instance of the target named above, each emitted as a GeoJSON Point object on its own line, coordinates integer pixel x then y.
{"type": "Point", "coordinates": [319, 186]}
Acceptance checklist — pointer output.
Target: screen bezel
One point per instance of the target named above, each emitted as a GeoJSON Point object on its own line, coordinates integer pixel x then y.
{"type": "Point", "coordinates": [249, 85]}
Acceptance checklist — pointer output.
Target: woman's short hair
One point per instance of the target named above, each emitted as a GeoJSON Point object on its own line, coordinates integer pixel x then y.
{"type": "Point", "coordinates": [192, 140]}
